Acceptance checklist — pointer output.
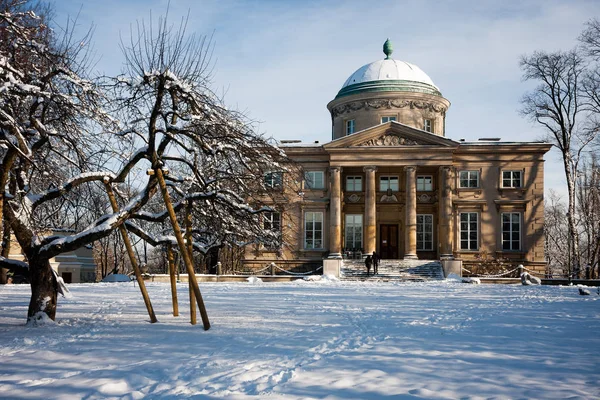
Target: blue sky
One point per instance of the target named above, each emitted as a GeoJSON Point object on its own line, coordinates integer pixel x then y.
{"type": "Point", "coordinates": [283, 61]}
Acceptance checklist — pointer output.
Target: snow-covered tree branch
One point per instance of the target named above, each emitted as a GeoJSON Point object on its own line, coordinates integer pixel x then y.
{"type": "Point", "coordinates": [63, 135]}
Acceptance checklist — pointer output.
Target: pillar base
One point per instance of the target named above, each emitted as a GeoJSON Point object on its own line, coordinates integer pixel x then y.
{"type": "Point", "coordinates": [335, 256]}
{"type": "Point", "coordinates": [411, 257]}
{"type": "Point", "coordinates": [332, 267]}
{"type": "Point", "coordinates": [447, 257]}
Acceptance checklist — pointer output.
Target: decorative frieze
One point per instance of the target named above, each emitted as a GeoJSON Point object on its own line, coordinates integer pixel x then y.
{"type": "Point", "coordinates": [389, 140]}
{"type": "Point", "coordinates": [386, 104]}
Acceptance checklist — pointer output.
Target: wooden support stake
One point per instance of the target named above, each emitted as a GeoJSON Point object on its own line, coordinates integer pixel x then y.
{"type": "Point", "coordinates": [129, 247]}
{"type": "Point", "coordinates": [186, 257]}
{"type": "Point", "coordinates": [188, 242]}
{"type": "Point", "coordinates": [173, 280]}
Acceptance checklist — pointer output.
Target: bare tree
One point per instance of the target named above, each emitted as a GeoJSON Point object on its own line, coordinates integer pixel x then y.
{"type": "Point", "coordinates": [160, 110]}
{"type": "Point", "coordinates": [216, 160]}
{"type": "Point", "coordinates": [556, 232]}
{"type": "Point", "coordinates": [559, 104]}
{"type": "Point", "coordinates": [588, 196]}
{"type": "Point", "coordinates": [47, 109]}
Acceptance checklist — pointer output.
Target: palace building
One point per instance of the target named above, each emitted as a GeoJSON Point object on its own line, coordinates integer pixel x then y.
{"type": "Point", "coordinates": [390, 181]}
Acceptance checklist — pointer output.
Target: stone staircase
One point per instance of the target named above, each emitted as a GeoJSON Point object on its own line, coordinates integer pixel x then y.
{"type": "Point", "coordinates": [394, 270]}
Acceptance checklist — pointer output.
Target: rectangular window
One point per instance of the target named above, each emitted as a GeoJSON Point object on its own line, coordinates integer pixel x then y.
{"type": "Point", "coordinates": [387, 119]}
{"type": "Point", "coordinates": [427, 125]}
{"type": "Point", "coordinates": [354, 232]}
{"type": "Point", "coordinates": [512, 179]}
{"type": "Point", "coordinates": [388, 182]}
{"type": "Point", "coordinates": [354, 183]}
{"type": "Point", "coordinates": [469, 231]}
{"type": "Point", "coordinates": [272, 221]}
{"type": "Point", "coordinates": [469, 179]}
{"type": "Point", "coordinates": [313, 230]}
{"type": "Point", "coordinates": [424, 183]}
{"type": "Point", "coordinates": [424, 232]}
{"type": "Point", "coordinates": [314, 179]}
{"type": "Point", "coordinates": [511, 231]}
{"type": "Point", "coordinates": [349, 127]}
{"type": "Point", "coordinates": [274, 179]}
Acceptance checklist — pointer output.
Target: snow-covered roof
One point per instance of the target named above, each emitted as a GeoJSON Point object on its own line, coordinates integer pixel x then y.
{"type": "Point", "coordinates": [388, 75]}
{"type": "Point", "coordinates": [389, 69]}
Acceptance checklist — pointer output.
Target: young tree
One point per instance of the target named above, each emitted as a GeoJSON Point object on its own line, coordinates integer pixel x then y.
{"type": "Point", "coordinates": [215, 159]}
{"type": "Point", "coordinates": [51, 116]}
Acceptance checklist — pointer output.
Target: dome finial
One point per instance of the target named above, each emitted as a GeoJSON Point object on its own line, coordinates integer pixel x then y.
{"type": "Point", "coordinates": [388, 49]}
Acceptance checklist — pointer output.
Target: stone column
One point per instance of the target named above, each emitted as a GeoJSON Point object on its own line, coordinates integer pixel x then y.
{"type": "Point", "coordinates": [410, 224]}
{"type": "Point", "coordinates": [370, 211]}
{"type": "Point", "coordinates": [445, 212]}
{"type": "Point", "coordinates": [335, 214]}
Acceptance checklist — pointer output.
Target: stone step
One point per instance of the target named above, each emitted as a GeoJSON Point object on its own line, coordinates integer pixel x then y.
{"type": "Point", "coordinates": [406, 270]}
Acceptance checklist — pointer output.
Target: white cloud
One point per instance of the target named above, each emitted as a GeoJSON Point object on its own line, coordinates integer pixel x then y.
{"type": "Point", "coordinates": [284, 61]}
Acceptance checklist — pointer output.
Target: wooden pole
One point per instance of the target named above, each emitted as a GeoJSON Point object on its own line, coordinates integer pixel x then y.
{"type": "Point", "coordinates": [186, 257]}
{"type": "Point", "coordinates": [173, 280]}
{"type": "Point", "coordinates": [188, 242]}
{"type": "Point", "coordinates": [136, 268]}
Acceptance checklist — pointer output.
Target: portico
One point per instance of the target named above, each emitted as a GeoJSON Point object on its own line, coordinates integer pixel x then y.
{"type": "Point", "coordinates": [390, 159]}
{"type": "Point", "coordinates": [386, 203]}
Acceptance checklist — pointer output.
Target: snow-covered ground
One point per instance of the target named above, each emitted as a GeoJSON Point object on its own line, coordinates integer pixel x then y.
{"type": "Point", "coordinates": [307, 340]}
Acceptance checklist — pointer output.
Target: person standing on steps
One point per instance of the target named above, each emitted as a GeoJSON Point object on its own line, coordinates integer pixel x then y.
{"type": "Point", "coordinates": [368, 262]}
{"type": "Point", "coordinates": [375, 263]}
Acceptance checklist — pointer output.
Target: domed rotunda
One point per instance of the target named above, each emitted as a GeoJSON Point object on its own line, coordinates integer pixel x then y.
{"type": "Point", "coordinates": [388, 90]}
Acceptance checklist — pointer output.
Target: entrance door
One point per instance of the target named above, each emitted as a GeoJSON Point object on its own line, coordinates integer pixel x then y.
{"type": "Point", "coordinates": [388, 242]}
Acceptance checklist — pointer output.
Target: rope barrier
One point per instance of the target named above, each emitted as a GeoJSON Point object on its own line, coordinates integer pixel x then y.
{"type": "Point", "coordinates": [252, 272]}
{"type": "Point", "coordinates": [268, 267]}
{"type": "Point", "coordinates": [491, 276]}
{"type": "Point", "coordinates": [298, 273]}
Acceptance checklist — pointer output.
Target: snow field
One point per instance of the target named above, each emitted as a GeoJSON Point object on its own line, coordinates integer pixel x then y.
{"type": "Point", "coordinates": [303, 340]}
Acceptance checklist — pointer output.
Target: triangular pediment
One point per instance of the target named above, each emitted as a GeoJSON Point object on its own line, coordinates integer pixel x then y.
{"type": "Point", "coordinates": [391, 134]}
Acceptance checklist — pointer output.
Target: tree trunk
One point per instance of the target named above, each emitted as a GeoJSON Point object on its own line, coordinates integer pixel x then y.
{"type": "Point", "coordinates": [5, 249]}
{"type": "Point", "coordinates": [574, 242]}
{"type": "Point", "coordinates": [43, 290]}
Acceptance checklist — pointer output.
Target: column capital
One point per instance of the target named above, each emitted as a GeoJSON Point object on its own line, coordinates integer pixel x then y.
{"type": "Point", "coordinates": [370, 168]}
{"type": "Point", "coordinates": [334, 169]}
{"type": "Point", "coordinates": [410, 168]}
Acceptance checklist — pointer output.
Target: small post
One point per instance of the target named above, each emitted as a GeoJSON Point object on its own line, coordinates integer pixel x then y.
{"type": "Point", "coordinates": [273, 268]}
{"type": "Point", "coordinates": [520, 268]}
{"type": "Point", "coordinates": [219, 266]}
{"type": "Point", "coordinates": [173, 280]}
{"type": "Point", "coordinates": [588, 271]}
{"type": "Point", "coordinates": [134, 264]}
{"type": "Point", "coordinates": [186, 257]}
{"type": "Point", "coordinates": [188, 242]}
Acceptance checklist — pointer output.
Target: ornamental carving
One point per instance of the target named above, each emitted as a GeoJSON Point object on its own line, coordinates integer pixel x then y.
{"type": "Point", "coordinates": [389, 140]}
{"type": "Point", "coordinates": [388, 199]}
{"type": "Point", "coordinates": [353, 198]}
{"type": "Point", "coordinates": [386, 104]}
{"type": "Point", "coordinates": [427, 198]}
